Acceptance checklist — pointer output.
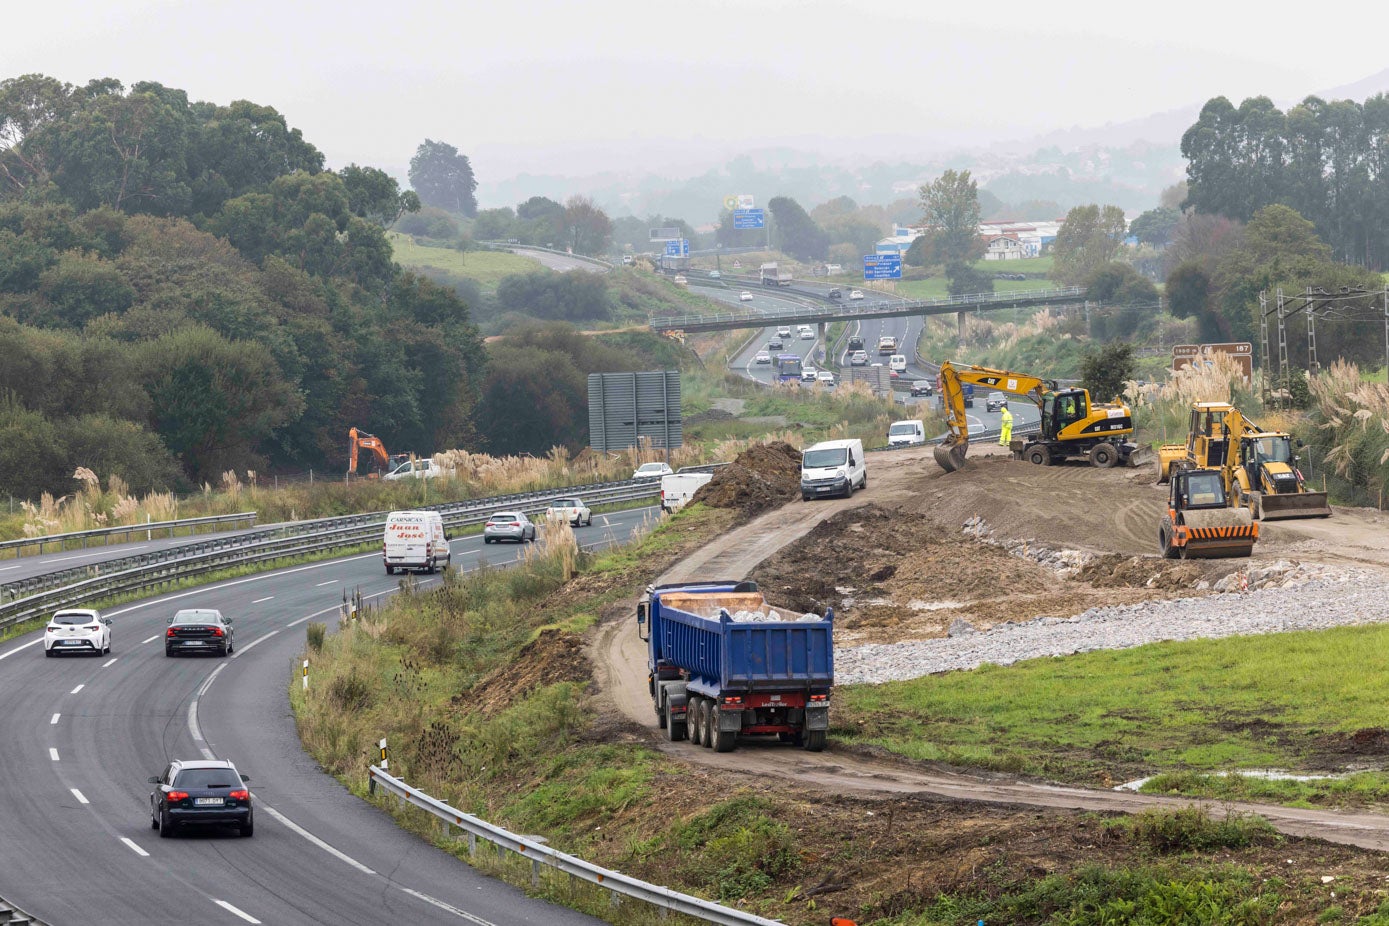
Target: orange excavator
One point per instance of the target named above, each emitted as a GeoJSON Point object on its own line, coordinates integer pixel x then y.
{"type": "Point", "coordinates": [385, 462]}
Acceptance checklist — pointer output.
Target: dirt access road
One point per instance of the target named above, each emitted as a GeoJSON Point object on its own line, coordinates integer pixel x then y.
{"type": "Point", "coordinates": [1111, 515]}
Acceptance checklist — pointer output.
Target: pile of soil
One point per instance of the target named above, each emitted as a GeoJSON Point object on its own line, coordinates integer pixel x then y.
{"type": "Point", "coordinates": [762, 477]}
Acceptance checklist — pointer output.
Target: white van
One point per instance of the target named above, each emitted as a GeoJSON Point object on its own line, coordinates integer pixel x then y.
{"type": "Point", "coordinates": [415, 540]}
{"type": "Point", "coordinates": [904, 433]}
{"type": "Point", "coordinates": [897, 363]}
{"type": "Point", "coordinates": [678, 488]}
{"type": "Point", "coordinates": [833, 467]}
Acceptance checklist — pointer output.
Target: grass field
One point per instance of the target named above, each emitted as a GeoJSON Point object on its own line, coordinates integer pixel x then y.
{"type": "Point", "coordinates": [939, 287]}
{"type": "Point", "coordinates": [1283, 701]}
{"type": "Point", "coordinates": [487, 267]}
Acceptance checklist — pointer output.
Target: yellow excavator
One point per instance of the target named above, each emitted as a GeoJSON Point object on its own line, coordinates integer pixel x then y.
{"type": "Point", "coordinates": [1072, 425]}
{"type": "Point", "coordinates": [1258, 467]}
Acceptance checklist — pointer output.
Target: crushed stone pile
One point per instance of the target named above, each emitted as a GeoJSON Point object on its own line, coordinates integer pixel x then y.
{"type": "Point", "coordinates": [762, 477]}
{"type": "Point", "coordinates": [768, 617]}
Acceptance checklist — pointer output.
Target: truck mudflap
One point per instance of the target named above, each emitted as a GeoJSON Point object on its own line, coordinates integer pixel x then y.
{"type": "Point", "coordinates": [730, 721]}
{"type": "Point", "coordinates": [817, 718]}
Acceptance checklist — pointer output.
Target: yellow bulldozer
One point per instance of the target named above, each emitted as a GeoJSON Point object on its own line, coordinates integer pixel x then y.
{"type": "Point", "coordinates": [1258, 467]}
{"type": "Point", "coordinates": [1072, 425]}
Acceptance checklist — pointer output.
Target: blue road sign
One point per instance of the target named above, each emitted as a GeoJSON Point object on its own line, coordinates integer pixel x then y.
{"type": "Point", "coordinates": [749, 218]}
{"type": "Point", "coordinates": [882, 266]}
{"type": "Point", "coordinates": [679, 248]}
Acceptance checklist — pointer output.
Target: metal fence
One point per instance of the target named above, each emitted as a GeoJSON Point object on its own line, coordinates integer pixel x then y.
{"type": "Point", "coordinates": [34, 596]}
{"type": "Point", "coordinates": [61, 541]}
{"type": "Point", "coordinates": [539, 854]}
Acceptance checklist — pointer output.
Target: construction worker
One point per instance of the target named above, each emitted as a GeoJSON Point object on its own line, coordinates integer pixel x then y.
{"type": "Point", "coordinates": [1006, 435]}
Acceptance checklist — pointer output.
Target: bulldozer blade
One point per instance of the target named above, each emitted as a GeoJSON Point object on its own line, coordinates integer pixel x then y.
{"type": "Point", "coordinates": [1300, 505]}
{"type": "Point", "coordinates": [1140, 457]}
{"type": "Point", "coordinates": [951, 457]}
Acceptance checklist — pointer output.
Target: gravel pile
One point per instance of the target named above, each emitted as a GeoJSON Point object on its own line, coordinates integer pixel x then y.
{"type": "Point", "coordinates": [768, 617]}
{"type": "Point", "coordinates": [1292, 597]}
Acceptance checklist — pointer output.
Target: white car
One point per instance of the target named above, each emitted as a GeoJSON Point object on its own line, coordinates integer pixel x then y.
{"type": "Point", "coordinates": [783, 332]}
{"type": "Point", "coordinates": [807, 333]}
{"type": "Point", "coordinates": [855, 294]}
{"type": "Point", "coordinates": [745, 296]}
{"type": "Point", "coordinates": [858, 358]}
{"type": "Point", "coordinates": [825, 378]}
{"type": "Point", "coordinates": [572, 510]}
{"type": "Point", "coordinates": [77, 630]}
{"type": "Point", "coordinates": [897, 363]}
{"type": "Point", "coordinates": [762, 357]}
{"type": "Point", "coordinates": [652, 471]}
{"type": "Point", "coordinates": [807, 374]}
{"type": "Point", "coordinates": [419, 469]}
{"type": "Point", "coordinates": [715, 275]}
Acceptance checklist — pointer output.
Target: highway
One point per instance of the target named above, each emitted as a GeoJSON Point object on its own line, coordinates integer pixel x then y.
{"type": "Point", "coordinates": [12, 570]}
{"type": "Point", "coordinates": [83, 733]}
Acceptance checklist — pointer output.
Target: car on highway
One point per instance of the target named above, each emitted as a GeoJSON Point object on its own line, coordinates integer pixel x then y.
{"type": "Point", "coordinates": [745, 296]}
{"type": "Point", "coordinates": [807, 333]}
{"type": "Point", "coordinates": [508, 525]}
{"type": "Point", "coordinates": [923, 387]}
{"type": "Point", "coordinates": [775, 344]}
{"type": "Point", "coordinates": [762, 357]}
{"type": "Point", "coordinates": [856, 343]}
{"type": "Point", "coordinates": [199, 630]}
{"type": "Point", "coordinates": [680, 280]}
{"type": "Point", "coordinates": [417, 469]}
{"type": "Point", "coordinates": [995, 401]}
{"type": "Point", "coordinates": [836, 294]}
{"type": "Point", "coordinates": [858, 358]}
{"type": "Point", "coordinates": [825, 378]}
{"type": "Point", "coordinates": [572, 510]}
{"type": "Point", "coordinates": [784, 331]}
{"type": "Point", "coordinates": [715, 275]}
{"type": "Point", "coordinates": [808, 374]}
{"type": "Point", "coordinates": [897, 363]}
{"type": "Point", "coordinates": [77, 630]}
{"type": "Point", "coordinates": [652, 471]}
{"type": "Point", "coordinates": [203, 792]}
{"type": "Point", "coordinates": [855, 294]}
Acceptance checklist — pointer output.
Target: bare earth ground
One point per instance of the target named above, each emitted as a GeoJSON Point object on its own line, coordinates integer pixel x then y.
{"type": "Point", "coordinates": [896, 564]}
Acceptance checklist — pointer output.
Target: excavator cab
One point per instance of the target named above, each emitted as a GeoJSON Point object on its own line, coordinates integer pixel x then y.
{"type": "Point", "coordinates": [1062, 408]}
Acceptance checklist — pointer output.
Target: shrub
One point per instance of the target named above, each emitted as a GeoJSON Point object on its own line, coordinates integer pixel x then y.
{"type": "Point", "coordinates": [1190, 829]}
{"type": "Point", "coordinates": [316, 632]}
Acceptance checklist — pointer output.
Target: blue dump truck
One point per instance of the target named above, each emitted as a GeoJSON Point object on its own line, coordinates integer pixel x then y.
{"type": "Point", "coordinates": [721, 665]}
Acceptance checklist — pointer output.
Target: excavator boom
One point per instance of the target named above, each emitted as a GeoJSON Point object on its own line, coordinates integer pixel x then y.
{"type": "Point", "coordinates": [950, 453]}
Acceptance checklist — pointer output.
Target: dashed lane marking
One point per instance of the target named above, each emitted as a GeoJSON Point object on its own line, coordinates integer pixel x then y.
{"type": "Point", "coordinates": [241, 913]}
{"type": "Point", "coordinates": [135, 848]}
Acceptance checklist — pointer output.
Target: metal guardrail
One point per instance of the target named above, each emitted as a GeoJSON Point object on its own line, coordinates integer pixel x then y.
{"type": "Point", "coordinates": [37, 595]}
{"type": "Point", "coordinates": [540, 854]}
{"type": "Point", "coordinates": [148, 528]}
{"type": "Point", "coordinates": [513, 246]}
{"type": "Point", "coordinates": [9, 913]}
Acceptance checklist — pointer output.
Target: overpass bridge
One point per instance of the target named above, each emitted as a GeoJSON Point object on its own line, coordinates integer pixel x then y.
{"type": "Point", "coordinates": [863, 311]}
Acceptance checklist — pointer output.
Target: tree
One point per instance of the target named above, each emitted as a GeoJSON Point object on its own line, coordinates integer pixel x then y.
{"type": "Point", "coordinates": [374, 195]}
{"type": "Point", "coordinates": [1188, 290]}
{"type": "Point", "coordinates": [950, 205]}
{"type": "Point", "coordinates": [587, 229]}
{"type": "Point", "coordinates": [795, 232]}
{"type": "Point", "coordinates": [965, 280]}
{"type": "Point", "coordinates": [1129, 302]}
{"type": "Point", "coordinates": [1156, 226]}
{"type": "Point", "coordinates": [1104, 371]}
{"type": "Point", "coordinates": [443, 177]}
{"type": "Point", "coordinates": [1089, 238]}
{"type": "Point", "coordinates": [542, 221]}
{"type": "Point", "coordinates": [577, 297]}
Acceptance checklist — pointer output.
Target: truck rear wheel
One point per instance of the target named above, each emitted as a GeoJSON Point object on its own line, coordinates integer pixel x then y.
{"type": "Point", "coordinates": [694, 720]}
{"type": "Point", "coordinates": [675, 729]}
{"type": "Point", "coordinates": [706, 732]}
{"type": "Point", "coordinates": [814, 740]}
{"type": "Point", "coordinates": [721, 740]}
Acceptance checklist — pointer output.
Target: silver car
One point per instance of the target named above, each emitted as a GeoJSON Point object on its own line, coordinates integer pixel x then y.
{"type": "Point", "coordinates": [509, 525]}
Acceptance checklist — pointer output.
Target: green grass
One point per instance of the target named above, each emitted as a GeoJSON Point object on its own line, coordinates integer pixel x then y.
{"type": "Point", "coordinates": [1269, 701]}
{"type": "Point", "coordinates": [487, 267]}
{"type": "Point", "coordinates": [939, 287]}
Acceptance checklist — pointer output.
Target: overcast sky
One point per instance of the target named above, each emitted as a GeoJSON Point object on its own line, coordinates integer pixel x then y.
{"type": "Point", "coordinates": [673, 85]}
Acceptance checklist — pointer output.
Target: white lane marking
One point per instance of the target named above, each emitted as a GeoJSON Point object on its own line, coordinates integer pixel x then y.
{"type": "Point", "coordinates": [55, 719]}
{"type": "Point", "coordinates": [81, 798]}
{"type": "Point", "coordinates": [243, 649]}
{"type": "Point", "coordinates": [7, 568]}
{"type": "Point", "coordinates": [329, 582]}
{"type": "Point", "coordinates": [241, 913]}
{"type": "Point", "coordinates": [150, 640]}
{"type": "Point", "coordinates": [9, 653]}
{"type": "Point", "coordinates": [259, 600]}
{"type": "Point", "coordinates": [443, 906]}
{"type": "Point", "coordinates": [295, 827]}
{"type": "Point", "coordinates": [109, 661]}
{"type": "Point", "coordinates": [135, 848]}
{"type": "Point", "coordinates": [53, 753]}
{"type": "Point", "coordinates": [77, 689]}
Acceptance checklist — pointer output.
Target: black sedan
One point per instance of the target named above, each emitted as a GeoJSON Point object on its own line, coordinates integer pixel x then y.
{"type": "Point", "coordinates": [200, 793]}
{"type": "Point", "coordinates": [922, 387]}
{"type": "Point", "coordinates": [198, 630]}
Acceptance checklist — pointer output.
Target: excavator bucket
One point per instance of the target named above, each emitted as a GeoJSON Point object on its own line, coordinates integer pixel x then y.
{"type": "Point", "coordinates": [1167, 455]}
{"type": "Point", "coordinates": [1219, 533]}
{"type": "Point", "coordinates": [951, 456]}
{"type": "Point", "coordinates": [1294, 505]}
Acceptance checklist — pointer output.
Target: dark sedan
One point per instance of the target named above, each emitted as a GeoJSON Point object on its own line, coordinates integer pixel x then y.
{"type": "Point", "coordinates": [922, 387]}
{"type": "Point", "coordinates": [198, 630]}
{"type": "Point", "coordinates": [200, 793]}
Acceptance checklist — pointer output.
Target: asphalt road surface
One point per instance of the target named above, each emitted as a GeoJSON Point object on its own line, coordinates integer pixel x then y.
{"type": "Point", "coordinates": [83, 733]}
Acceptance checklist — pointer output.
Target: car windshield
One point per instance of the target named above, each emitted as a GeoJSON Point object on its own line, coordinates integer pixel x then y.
{"type": "Point", "coordinates": [567, 503]}
{"type": "Point", "coordinates": [817, 459]}
{"type": "Point", "coordinates": [207, 778]}
{"type": "Point", "coordinates": [504, 516]}
{"type": "Point", "coordinates": [73, 618]}
{"type": "Point", "coordinates": [650, 467]}
{"type": "Point", "coordinates": [197, 617]}
{"type": "Point", "coordinates": [902, 429]}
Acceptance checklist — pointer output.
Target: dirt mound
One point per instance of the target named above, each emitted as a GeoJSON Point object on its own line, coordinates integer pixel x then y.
{"type": "Point", "coordinates": [1117, 571]}
{"type": "Point", "coordinates": [762, 477]}
{"type": "Point", "coordinates": [554, 656]}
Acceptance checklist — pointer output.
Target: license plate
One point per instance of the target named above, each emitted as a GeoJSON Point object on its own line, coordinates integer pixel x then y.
{"type": "Point", "coordinates": [192, 642]}
{"type": "Point", "coordinates": [70, 642]}
{"type": "Point", "coordinates": [208, 801]}
{"type": "Point", "coordinates": [824, 489]}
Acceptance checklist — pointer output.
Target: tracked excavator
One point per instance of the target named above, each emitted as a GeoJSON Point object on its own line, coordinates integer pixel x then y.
{"type": "Point", "coordinates": [1200, 523]}
{"type": "Point", "coordinates": [1258, 467]}
{"type": "Point", "coordinates": [1072, 425]}
{"type": "Point", "coordinates": [385, 462]}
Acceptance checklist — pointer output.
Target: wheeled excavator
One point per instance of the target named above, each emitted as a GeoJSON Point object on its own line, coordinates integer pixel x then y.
{"type": "Point", "coordinates": [1072, 425]}
{"type": "Point", "coordinates": [385, 462]}
{"type": "Point", "coordinates": [1258, 467]}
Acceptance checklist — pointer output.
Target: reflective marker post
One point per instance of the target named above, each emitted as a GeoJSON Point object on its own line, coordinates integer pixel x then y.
{"type": "Point", "coordinates": [385, 755]}
{"type": "Point", "coordinates": [306, 675]}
